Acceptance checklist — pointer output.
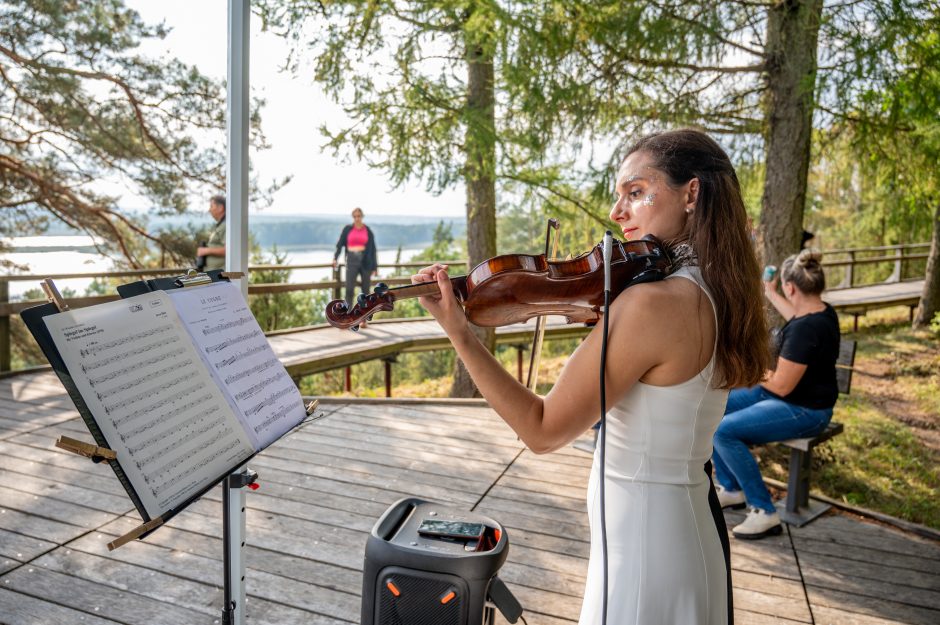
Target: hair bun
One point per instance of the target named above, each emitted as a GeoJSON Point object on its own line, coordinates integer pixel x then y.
{"type": "Point", "coordinates": [809, 257]}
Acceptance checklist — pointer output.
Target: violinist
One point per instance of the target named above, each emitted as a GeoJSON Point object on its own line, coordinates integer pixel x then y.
{"type": "Point", "coordinates": [675, 347]}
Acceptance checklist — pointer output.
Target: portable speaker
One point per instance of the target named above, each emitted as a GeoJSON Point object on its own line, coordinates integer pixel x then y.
{"type": "Point", "coordinates": [414, 577]}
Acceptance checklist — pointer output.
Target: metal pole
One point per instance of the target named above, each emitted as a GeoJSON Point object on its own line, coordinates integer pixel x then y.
{"type": "Point", "coordinates": [233, 544]}
{"type": "Point", "coordinates": [237, 111]}
{"type": "Point", "coordinates": [236, 259]}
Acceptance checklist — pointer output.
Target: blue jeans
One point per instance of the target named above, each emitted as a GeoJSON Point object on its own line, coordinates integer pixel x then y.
{"type": "Point", "coordinates": [754, 416]}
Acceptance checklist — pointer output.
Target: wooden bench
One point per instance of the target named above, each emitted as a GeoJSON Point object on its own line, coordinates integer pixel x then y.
{"type": "Point", "coordinates": [797, 509]}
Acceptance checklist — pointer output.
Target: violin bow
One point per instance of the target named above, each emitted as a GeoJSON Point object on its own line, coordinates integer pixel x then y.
{"type": "Point", "coordinates": [539, 337]}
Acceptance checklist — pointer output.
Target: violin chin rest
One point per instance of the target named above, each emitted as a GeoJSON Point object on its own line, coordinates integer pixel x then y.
{"type": "Point", "coordinates": [650, 275]}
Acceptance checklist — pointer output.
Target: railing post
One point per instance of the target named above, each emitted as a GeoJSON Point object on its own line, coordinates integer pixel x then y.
{"type": "Point", "coordinates": [519, 350]}
{"type": "Point", "coordinates": [388, 375]}
{"type": "Point", "coordinates": [6, 362]}
{"type": "Point", "coordinates": [336, 289]}
{"type": "Point", "coordinates": [849, 271]}
{"type": "Point", "coordinates": [899, 260]}
{"type": "Point", "coordinates": [348, 379]}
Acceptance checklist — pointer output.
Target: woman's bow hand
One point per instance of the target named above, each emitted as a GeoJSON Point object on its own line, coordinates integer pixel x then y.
{"type": "Point", "coordinates": [443, 305]}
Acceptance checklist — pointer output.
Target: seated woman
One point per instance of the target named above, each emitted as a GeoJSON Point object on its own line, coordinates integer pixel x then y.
{"type": "Point", "coordinates": [794, 400]}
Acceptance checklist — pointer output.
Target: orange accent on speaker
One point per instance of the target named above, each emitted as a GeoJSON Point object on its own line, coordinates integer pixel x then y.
{"type": "Point", "coordinates": [392, 587]}
{"type": "Point", "coordinates": [448, 596]}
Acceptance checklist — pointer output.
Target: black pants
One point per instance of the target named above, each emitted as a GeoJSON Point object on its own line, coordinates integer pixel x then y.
{"type": "Point", "coordinates": [719, 517]}
{"type": "Point", "coordinates": [354, 270]}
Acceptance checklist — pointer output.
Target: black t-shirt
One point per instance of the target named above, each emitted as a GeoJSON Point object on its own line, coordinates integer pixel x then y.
{"type": "Point", "coordinates": [813, 340]}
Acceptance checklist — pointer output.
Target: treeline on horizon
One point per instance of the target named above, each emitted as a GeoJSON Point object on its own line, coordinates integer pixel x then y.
{"type": "Point", "coordinates": [312, 232]}
{"type": "Point", "coordinates": [324, 233]}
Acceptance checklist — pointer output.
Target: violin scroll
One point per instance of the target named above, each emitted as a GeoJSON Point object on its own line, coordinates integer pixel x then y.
{"type": "Point", "coordinates": [339, 315]}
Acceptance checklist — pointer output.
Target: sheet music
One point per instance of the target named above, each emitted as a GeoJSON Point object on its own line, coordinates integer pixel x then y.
{"type": "Point", "coordinates": [172, 429]}
{"type": "Point", "coordinates": [239, 357]}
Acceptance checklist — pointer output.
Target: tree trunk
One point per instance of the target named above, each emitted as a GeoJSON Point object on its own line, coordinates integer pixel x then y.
{"type": "Point", "coordinates": [792, 34]}
{"type": "Point", "coordinates": [480, 179]}
{"type": "Point", "coordinates": [930, 298]}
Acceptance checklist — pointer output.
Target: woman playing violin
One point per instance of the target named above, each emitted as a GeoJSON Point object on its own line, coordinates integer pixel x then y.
{"type": "Point", "coordinates": [675, 347]}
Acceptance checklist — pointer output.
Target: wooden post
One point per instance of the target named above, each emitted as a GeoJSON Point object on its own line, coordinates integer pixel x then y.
{"type": "Point", "coordinates": [336, 289]}
{"type": "Point", "coordinates": [519, 350]}
{"type": "Point", "coordinates": [6, 340]}
{"type": "Point", "coordinates": [850, 271]}
{"type": "Point", "coordinates": [899, 260]}
{"type": "Point", "coordinates": [348, 379]}
{"type": "Point", "coordinates": [388, 376]}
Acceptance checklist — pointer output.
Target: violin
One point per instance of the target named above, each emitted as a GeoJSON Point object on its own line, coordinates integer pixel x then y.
{"type": "Point", "coordinates": [513, 288]}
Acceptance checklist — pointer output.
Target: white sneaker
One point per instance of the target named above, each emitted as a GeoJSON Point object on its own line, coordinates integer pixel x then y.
{"type": "Point", "coordinates": [757, 524]}
{"type": "Point", "coordinates": [733, 499]}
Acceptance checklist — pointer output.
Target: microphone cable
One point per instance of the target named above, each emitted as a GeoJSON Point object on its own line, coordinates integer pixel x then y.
{"type": "Point", "coordinates": [602, 436]}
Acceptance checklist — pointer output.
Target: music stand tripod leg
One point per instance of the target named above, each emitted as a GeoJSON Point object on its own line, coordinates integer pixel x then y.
{"type": "Point", "coordinates": [233, 544]}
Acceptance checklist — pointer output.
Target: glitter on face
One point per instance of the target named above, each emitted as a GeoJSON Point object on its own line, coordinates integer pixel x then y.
{"type": "Point", "coordinates": [648, 200]}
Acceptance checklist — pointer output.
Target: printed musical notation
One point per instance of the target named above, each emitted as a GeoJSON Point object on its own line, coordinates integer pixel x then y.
{"type": "Point", "coordinates": [137, 351]}
{"type": "Point", "coordinates": [152, 397]}
{"type": "Point", "coordinates": [235, 340]}
{"type": "Point", "coordinates": [267, 364]}
{"type": "Point", "coordinates": [228, 325]}
{"type": "Point", "coordinates": [260, 386]}
{"type": "Point", "coordinates": [241, 360]}
{"type": "Point", "coordinates": [248, 353]}
{"type": "Point", "coordinates": [124, 340]}
{"type": "Point", "coordinates": [182, 384]}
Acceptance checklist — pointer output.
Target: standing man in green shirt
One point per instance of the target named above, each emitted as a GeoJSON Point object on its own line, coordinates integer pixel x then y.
{"type": "Point", "coordinates": [214, 249]}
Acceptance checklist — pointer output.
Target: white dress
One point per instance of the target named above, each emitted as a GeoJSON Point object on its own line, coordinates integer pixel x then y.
{"type": "Point", "coordinates": [666, 565]}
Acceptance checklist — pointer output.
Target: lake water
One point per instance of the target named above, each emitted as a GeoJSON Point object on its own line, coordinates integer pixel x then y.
{"type": "Point", "coordinates": [49, 255]}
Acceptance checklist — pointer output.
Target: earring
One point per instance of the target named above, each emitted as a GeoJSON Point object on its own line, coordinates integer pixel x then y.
{"type": "Point", "coordinates": [688, 211]}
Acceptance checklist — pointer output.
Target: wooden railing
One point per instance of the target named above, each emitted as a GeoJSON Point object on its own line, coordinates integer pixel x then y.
{"type": "Point", "coordinates": [899, 257]}
{"type": "Point", "coordinates": [334, 284]}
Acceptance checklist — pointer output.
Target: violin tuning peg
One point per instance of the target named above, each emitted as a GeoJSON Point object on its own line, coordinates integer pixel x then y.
{"type": "Point", "coordinates": [354, 328]}
{"type": "Point", "coordinates": [361, 300]}
{"type": "Point", "coordinates": [369, 318]}
{"type": "Point", "coordinates": [381, 288]}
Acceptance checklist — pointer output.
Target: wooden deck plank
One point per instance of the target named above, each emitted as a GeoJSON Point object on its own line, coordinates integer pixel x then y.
{"type": "Point", "coordinates": [873, 607]}
{"type": "Point", "coordinates": [38, 527]}
{"type": "Point", "coordinates": [21, 547]}
{"type": "Point", "coordinates": [68, 492]}
{"type": "Point", "coordinates": [97, 599]}
{"type": "Point", "coordinates": [20, 609]}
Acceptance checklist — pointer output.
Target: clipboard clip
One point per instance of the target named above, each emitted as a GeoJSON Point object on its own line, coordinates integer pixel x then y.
{"type": "Point", "coordinates": [96, 453]}
{"type": "Point", "coordinates": [192, 278]}
{"type": "Point", "coordinates": [53, 295]}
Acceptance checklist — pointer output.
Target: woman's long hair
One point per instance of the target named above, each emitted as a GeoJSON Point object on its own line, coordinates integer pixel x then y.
{"type": "Point", "coordinates": [718, 234]}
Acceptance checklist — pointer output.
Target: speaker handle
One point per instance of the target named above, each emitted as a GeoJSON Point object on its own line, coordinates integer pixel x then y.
{"type": "Point", "coordinates": [504, 600]}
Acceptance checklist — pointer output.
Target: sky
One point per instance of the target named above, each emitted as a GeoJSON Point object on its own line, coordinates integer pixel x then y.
{"type": "Point", "coordinates": [294, 111]}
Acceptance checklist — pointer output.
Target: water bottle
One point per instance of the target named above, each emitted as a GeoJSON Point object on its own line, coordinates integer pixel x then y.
{"type": "Point", "coordinates": [769, 272]}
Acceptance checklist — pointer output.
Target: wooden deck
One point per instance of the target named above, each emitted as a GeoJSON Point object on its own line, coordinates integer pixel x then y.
{"type": "Point", "coordinates": [322, 348]}
{"type": "Point", "coordinates": [321, 490]}
{"type": "Point", "coordinates": [861, 299]}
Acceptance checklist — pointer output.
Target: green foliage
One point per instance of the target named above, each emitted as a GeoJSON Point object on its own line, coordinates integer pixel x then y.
{"type": "Point", "coordinates": [278, 311]}
{"type": "Point", "coordinates": [24, 351]}
{"type": "Point", "coordinates": [442, 245]}
{"type": "Point", "coordinates": [935, 325]}
{"type": "Point", "coordinates": [81, 105]}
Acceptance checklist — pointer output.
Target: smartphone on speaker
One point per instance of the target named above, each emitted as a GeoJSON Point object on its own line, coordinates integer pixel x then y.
{"type": "Point", "coordinates": [460, 530]}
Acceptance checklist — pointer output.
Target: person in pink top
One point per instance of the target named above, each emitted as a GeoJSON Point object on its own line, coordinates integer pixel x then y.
{"type": "Point", "coordinates": [361, 258]}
